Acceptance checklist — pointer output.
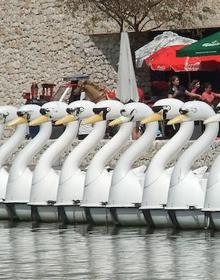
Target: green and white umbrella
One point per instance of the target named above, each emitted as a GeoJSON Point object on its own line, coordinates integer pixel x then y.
{"type": "Point", "coordinates": [205, 47]}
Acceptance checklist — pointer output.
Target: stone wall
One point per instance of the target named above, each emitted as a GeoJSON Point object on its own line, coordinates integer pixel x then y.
{"type": "Point", "coordinates": [206, 159]}
{"type": "Point", "coordinates": [41, 40]}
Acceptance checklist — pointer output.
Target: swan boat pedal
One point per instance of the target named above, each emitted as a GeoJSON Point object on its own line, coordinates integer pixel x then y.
{"type": "Point", "coordinates": [212, 197]}
{"type": "Point", "coordinates": [45, 177]}
{"type": "Point", "coordinates": [72, 177]}
{"type": "Point", "coordinates": [20, 175]}
{"type": "Point", "coordinates": [7, 114]}
{"type": "Point", "coordinates": [98, 178]}
{"type": "Point", "coordinates": [157, 177]}
{"type": "Point", "coordinates": [187, 191]}
{"type": "Point", "coordinates": [127, 184]}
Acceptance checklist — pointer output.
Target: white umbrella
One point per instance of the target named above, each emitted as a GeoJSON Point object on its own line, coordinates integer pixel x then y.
{"type": "Point", "coordinates": [165, 39]}
{"type": "Point", "coordinates": [126, 86]}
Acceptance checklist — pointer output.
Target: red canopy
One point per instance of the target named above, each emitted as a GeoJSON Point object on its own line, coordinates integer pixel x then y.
{"type": "Point", "coordinates": [165, 60]}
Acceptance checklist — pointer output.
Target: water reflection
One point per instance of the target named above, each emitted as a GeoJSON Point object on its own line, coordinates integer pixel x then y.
{"type": "Point", "coordinates": [82, 252]}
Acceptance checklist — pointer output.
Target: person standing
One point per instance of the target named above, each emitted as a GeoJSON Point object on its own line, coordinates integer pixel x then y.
{"type": "Point", "coordinates": [34, 90]}
{"type": "Point", "coordinates": [208, 95]}
{"type": "Point", "coordinates": [195, 90]}
{"type": "Point", "coordinates": [75, 92]}
{"type": "Point", "coordinates": [176, 90]}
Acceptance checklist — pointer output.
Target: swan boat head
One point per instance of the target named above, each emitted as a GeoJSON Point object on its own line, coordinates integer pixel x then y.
{"type": "Point", "coordinates": [104, 111]}
{"type": "Point", "coordinates": [164, 109]}
{"type": "Point", "coordinates": [7, 114]}
{"type": "Point", "coordinates": [132, 112]}
{"type": "Point", "coordinates": [193, 111]}
{"type": "Point", "coordinates": [77, 111]}
{"type": "Point", "coordinates": [51, 111]}
{"type": "Point", "coordinates": [216, 117]}
{"type": "Point", "coordinates": [25, 114]}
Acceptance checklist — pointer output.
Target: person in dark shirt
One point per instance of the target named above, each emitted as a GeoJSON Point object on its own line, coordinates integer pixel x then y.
{"type": "Point", "coordinates": [75, 92]}
{"type": "Point", "coordinates": [176, 90]}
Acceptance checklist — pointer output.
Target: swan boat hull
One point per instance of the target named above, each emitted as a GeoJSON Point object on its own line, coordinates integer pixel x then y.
{"type": "Point", "coordinates": [4, 215]}
{"type": "Point", "coordinates": [212, 219]}
{"type": "Point", "coordinates": [127, 216]}
{"type": "Point", "coordinates": [44, 213]}
{"type": "Point", "coordinates": [187, 218]}
{"type": "Point", "coordinates": [70, 214]}
{"type": "Point", "coordinates": [17, 196]}
{"type": "Point", "coordinates": [212, 199]}
{"type": "Point", "coordinates": [125, 198]}
{"type": "Point", "coordinates": [157, 218]}
{"type": "Point", "coordinates": [69, 195]}
{"type": "Point", "coordinates": [19, 211]}
{"type": "Point", "coordinates": [3, 185]}
{"type": "Point", "coordinates": [98, 215]}
{"type": "Point", "coordinates": [95, 199]}
{"type": "Point", "coordinates": [43, 198]}
{"type": "Point", "coordinates": [155, 198]}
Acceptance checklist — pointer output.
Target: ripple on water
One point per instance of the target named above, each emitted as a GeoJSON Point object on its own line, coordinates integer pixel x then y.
{"type": "Point", "coordinates": [82, 252]}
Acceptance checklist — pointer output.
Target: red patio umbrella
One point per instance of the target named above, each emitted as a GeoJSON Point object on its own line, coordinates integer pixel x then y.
{"type": "Point", "coordinates": [165, 60]}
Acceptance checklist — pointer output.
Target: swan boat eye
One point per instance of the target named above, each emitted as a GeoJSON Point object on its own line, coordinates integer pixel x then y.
{"type": "Point", "coordinates": [24, 114]}
{"type": "Point", "coordinates": [123, 112]}
{"type": "Point", "coordinates": [157, 109]}
{"type": "Point", "coordinates": [164, 109]}
{"type": "Point", "coordinates": [183, 112]}
{"type": "Point", "coordinates": [167, 108]}
{"type": "Point", "coordinates": [103, 110]}
{"type": "Point", "coordinates": [76, 111]}
{"type": "Point", "coordinates": [20, 114]}
{"type": "Point", "coordinates": [44, 111]}
{"type": "Point", "coordinates": [70, 111]}
{"type": "Point", "coordinates": [217, 110]}
{"type": "Point", "coordinates": [3, 116]}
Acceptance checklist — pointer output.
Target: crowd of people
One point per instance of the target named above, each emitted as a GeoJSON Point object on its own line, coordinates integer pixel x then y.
{"type": "Point", "coordinates": [196, 91]}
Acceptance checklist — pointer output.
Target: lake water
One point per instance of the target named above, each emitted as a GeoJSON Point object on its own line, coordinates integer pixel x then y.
{"type": "Point", "coordinates": [83, 252]}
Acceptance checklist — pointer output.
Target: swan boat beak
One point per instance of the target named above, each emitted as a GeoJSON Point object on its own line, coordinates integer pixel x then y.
{"type": "Point", "coordinates": [65, 120]}
{"type": "Point", "coordinates": [153, 118]}
{"type": "Point", "coordinates": [39, 120]}
{"type": "Point", "coordinates": [179, 119]}
{"type": "Point", "coordinates": [93, 119]}
{"type": "Point", "coordinates": [119, 121]}
{"type": "Point", "coordinates": [215, 118]}
{"type": "Point", "coordinates": [17, 121]}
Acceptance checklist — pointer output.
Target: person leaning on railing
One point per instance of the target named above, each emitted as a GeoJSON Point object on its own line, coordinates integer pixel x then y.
{"type": "Point", "coordinates": [208, 95]}
{"type": "Point", "coordinates": [194, 92]}
{"type": "Point", "coordinates": [176, 90]}
{"type": "Point", "coordinates": [180, 92]}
